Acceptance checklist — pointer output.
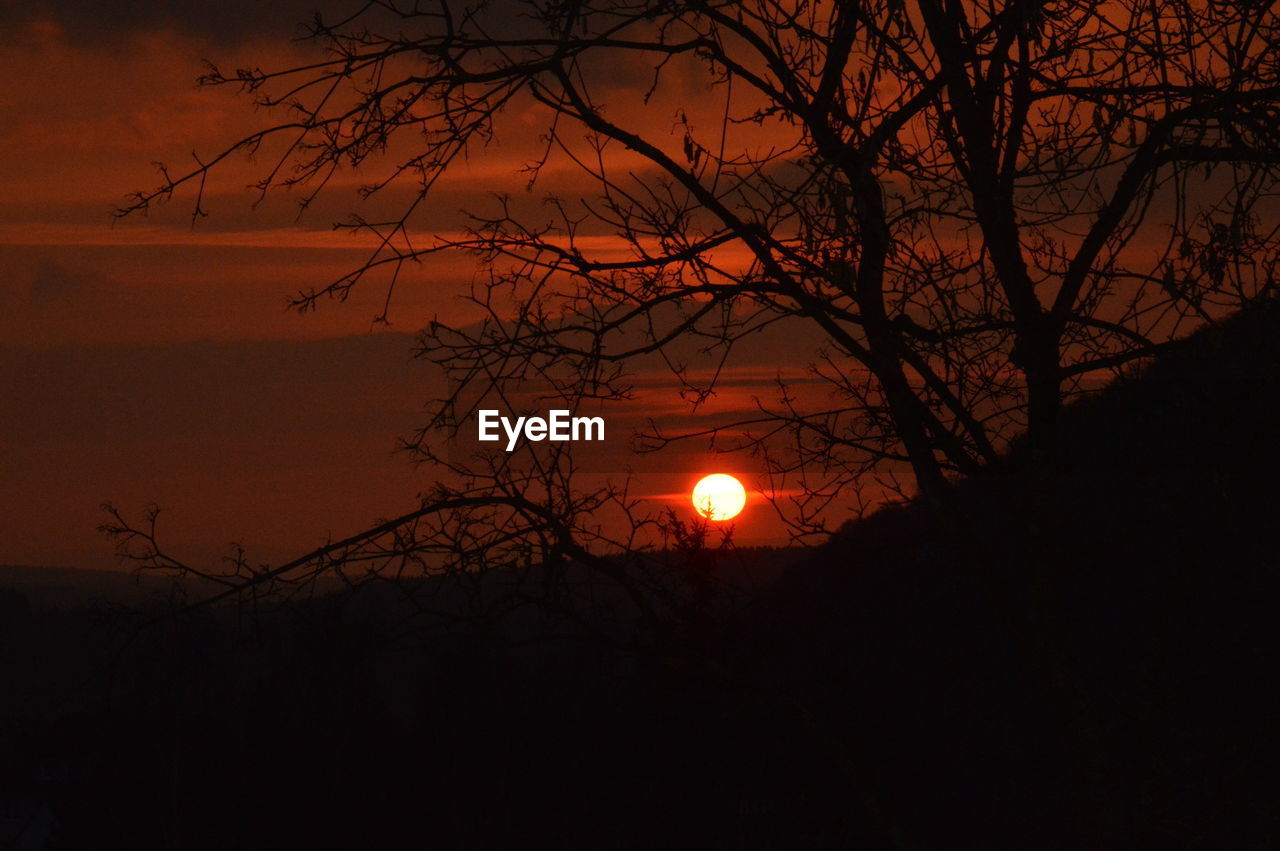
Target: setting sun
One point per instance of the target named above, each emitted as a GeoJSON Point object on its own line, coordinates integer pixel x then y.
{"type": "Point", "coordinates": [719, 497]}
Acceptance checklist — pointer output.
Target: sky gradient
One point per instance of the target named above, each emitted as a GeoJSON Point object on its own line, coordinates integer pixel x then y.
{"type": "Point", "coordinates": [148, 360]}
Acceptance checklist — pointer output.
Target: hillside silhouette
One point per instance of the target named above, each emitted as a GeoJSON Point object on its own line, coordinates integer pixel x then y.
{"type": "Point", "coordinates": [1071, 659]}
{"type": "Point", "coordinates": [1084, 655]}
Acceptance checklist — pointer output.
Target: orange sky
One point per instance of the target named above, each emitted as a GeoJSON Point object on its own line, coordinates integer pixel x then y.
{"type": "Point", "coordinates": [150, 361]}
{"type": "Point", "coordinates": [156, 361]}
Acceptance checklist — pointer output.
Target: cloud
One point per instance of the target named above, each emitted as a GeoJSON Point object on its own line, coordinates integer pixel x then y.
{"type": "Point", "coordinates": [53, 283]}
{"type": "Point", "coordinates": [221, 21]}
{"type": "Point", "coordinates": [149, 294]}
{"type": "Point", "coordinates": [276, 444]}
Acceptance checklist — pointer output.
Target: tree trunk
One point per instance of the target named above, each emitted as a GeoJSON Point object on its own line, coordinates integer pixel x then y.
{"type": "Point", "coordinates": [1037, 354]}
{"type": "Point", "coordinates": [904, 407]}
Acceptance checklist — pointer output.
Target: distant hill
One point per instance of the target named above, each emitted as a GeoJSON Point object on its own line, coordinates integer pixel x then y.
{"type": "Point", "coordinates": [69, 587]}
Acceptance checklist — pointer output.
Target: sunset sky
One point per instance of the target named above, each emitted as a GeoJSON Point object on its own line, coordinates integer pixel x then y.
{"type": "Point", "coordinates": [936, 345]}
{"type": "Point", "coordinates": [151, 361]}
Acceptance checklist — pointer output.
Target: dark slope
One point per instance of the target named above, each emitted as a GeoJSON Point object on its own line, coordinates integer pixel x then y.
{"type": "Point", "coordinates": [1077, 659]}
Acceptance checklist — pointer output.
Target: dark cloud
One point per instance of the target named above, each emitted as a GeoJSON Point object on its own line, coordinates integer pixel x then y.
{"type": "Point", "coordinates": [224, 21]}
{"type": "Point", "coordinates": [53, 283]}
{"type": "Point", "coordinates": [277, 444]}
{"type": "Point", "coordinates": [229, 22]}
{"type": "Point", "coordinates": [353, 385]}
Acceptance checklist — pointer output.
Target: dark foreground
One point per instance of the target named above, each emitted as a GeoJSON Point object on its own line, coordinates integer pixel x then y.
{"type": "Point", "coordinates": [1080, 660]}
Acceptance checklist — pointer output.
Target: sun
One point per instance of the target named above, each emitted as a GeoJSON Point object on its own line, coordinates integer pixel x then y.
{"type": "Point", "coordinates": [719, 497]}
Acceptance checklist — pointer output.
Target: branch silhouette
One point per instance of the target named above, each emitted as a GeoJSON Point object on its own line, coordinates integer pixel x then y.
{"type": "Point", "coordinates": [966, 213]}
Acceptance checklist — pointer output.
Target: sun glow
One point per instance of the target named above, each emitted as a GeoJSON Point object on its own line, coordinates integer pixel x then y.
{"type": "Point", "coordinates": [719, 497]}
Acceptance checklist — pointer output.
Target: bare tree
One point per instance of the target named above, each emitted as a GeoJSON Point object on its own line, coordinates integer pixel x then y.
{"type": "Point", "coordinates": [969, 208]}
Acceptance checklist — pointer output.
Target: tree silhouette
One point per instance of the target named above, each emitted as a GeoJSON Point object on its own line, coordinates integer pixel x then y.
{"type": "Point", "coordinates": [968, 207]}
